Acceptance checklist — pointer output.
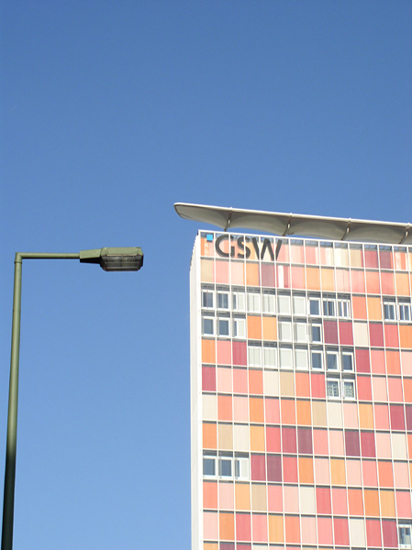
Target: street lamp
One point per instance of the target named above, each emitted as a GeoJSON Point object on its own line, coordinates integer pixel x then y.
{"type": "Point", "coordinates": [110, 259]}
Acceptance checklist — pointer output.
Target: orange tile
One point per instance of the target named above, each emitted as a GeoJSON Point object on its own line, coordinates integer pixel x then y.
{"type": "Point", "coordinates": [208, 351]}
{"type": "Point", "coordinates": [303, 412]}
{"type": "Point", "coordinates": [405, 336]}
{"type": "Point", "coordinates": [209, 435]}
{"type": "Point", "coordinates": [224, 407]}
{"type": "Point", "coordinates": [305, 465]}
{"type": "Point", "coordinates": [371, 498]}
{"type": "Point", "coordinates": [327, 279]}
{"type": "Point", "coordinates": [312, 278]}
{"type": "Point", "coordinates": [355, 502]}
{"type": "Point", "coordinates": [256, 381]}
{"type": "Point", "coordinates": [226, 526]}
{"type": "Point", "coordinates": [209, 494]}
{"type": "Point", "coordinates": [252, 274]}
{"type": "Point", "coordinates": [256, 409]}
{"type": "Point", "coordinates": [242, 496]}
{"type": "Point", "coordinates": [385, 473]}
{"type": "Point", "coordinates": [374, 309]}
{"type": "Point", "coordinates": [269, 328]}
{"type": "Point", "coordinates": [359, 307]}
{"type": "Point", "coordinates": [254, 327]}
{"type": "Point", "coordinates": [302, 384]}
{"type": "Point", "coordinates": [276, 528]}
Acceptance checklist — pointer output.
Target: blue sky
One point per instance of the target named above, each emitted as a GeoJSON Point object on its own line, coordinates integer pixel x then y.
{"type": "Point", "coordinates": [110, 113]}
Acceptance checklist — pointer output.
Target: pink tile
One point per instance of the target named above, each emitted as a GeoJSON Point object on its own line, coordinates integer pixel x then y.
{"type": "Point", "coordinates": [272, 410]}
{"type": "Point", "coordinates": [339, 502]}
{"type": "Point", "coordinates": [353, 472]}
{"type": "Point", "coordinates": [291, 499]}
{"type": "Point", "coordinates": [320, 442]}
{"type": "Point", "coordinates": [275, 498]}
{"type": "Point", "coordinates": [240, 409]}
{"type": "Point", "coordinates": [240, 381]}
{"type": "Point", "coordinates": [224, 380]}
{"type": "Point", "coordinates": [259, 528]}
{"type": "Point", "coordinates": [325, 531]}
{"type": "Point", "coordinates": [403, 504]}
{"type": "Point", "coordinates": [224, 352]}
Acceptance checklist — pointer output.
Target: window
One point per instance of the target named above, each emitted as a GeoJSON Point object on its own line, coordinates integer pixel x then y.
{"type": "Point", "coordinates": [268, 303]}
{"type": "Point", "coordinates": [316, 360]}
{"type": "Point", "coordinates": [347, 362]}
{"type": "Point", "coordinates": [301, 332]}
{"type": "Point", "coordinates": [332, 388]}
{"type": "Point", "coordinates": [348, 389]}
{"type": "Point", "coordinates": [239, 328]}
{"type": "Point", "coordinates": [316, 333]}
{"type": "Point", "coordinates": [299, 305]}
{"type": "Point", "coordinates": [238, 301]}
{"type": "Point", "coordinates": [404, 312]}
{"type": "Point", "coordinates": [223, 327]}
{"type": "Point", "coordinates": [207, 299]}
{"type": "Point", "coordinates": [284, 305]}
{"type": "Point", "coordinates": [207, 326]}
{"type": "Point", "coordinates": [301, 359]}
{"type": "Point", "coordinates": [314, 307]}
{"type": "Point", "coordinates": [241, 468]}
{"type": "Point", "coordinates": [344, 308]}
{"type": "Point", "coordinates": [209, 466]}
{"type": "Point", "coordinates": [329, 308]}
{"type": "Point", "coordinates": [286, 358]}
{"type": "Point", "coordinates": [389, 311]}
{"type": "Point", "coordinates": [253, 302]}
{"type": "Point", "coordinates": [404, 535]}
{"type": "Point", "coordinates": [285, 331]}
{"type": "Point", "coordinates": [225, 467]}
{"type": "Point", "coordinates": [332, 360]}
{"type": "Point", "coordinates": [223, 300]}
{"type": "Point", "coordinates": [269, 356]}
{"type": "Point", "coordinates": [254, 356]}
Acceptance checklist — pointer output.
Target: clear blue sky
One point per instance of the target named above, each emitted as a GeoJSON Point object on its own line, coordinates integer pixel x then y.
{"type": "Point", "coordinates": [111, 111]}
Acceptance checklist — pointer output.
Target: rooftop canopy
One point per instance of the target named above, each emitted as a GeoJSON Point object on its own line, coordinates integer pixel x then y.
{"type": "Point", "coordinates": [343, 229]}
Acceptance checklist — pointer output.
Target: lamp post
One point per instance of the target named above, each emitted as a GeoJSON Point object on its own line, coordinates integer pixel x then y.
{"type": "Point", "coordinates": [110, 259]}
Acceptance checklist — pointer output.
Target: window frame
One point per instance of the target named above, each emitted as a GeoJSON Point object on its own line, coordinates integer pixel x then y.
{"type": "Point", "coordinates": [344, 396]}
{"type": "Point", "coordinates": [404, 525]}
{"type": "Point", "coordinates": [332, 381]}
{"type": "Point", "coordinates": [342, 302]}
{"type": "Point", "coordinates": [331, 353]}
{"type": "Point", "coordinates": [315, 352]}
{"type": "Point", "coordinates": [328, 302]}
{"type": "Point", "coordinates": [211, 292]}
{"type": "Point", "coordinates": [226, 294]}
{"type": "Point", "coordinates": [208, 318]}
{"type": "Point", "coordinates": [238, 296]}
{"type": "Point", "coordinates": [282, 326]}
{"type": "Point", "coordinates": [223, 320]}
{"type": "Point", "coordinates": [314, 300]}
{"type": "Point", "coordinates": [236, 322]}
{"type": "Point", "coordinates": [392, 306]}
{"type": "Point", "coordinates": [347, 354]}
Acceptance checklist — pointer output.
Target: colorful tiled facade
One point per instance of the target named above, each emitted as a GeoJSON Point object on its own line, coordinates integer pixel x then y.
{"type": "Point", "coordinates": [301, 388]}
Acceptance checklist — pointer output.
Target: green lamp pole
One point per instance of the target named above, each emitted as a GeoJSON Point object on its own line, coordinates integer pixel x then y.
{"type": "Point", "coordinates": [110, 259]}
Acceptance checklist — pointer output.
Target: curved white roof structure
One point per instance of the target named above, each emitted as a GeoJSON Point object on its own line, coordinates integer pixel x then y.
{"type": "Point", "coordinates": [295, 224]}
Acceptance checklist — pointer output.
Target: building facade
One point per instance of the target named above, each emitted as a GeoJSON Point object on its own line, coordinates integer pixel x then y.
{"type": "Point", "coordinates": [301, 393]}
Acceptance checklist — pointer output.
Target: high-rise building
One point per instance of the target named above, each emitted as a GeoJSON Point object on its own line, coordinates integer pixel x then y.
{"type": "Point", "coordinates": [301, 384]}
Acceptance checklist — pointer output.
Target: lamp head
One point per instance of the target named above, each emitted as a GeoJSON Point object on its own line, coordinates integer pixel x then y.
{"type": "Point", "coordinates": [114, 259]}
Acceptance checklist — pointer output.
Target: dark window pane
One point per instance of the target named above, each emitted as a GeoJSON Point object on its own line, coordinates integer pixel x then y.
{"type": "Point", "coordinates": [209, 467]}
